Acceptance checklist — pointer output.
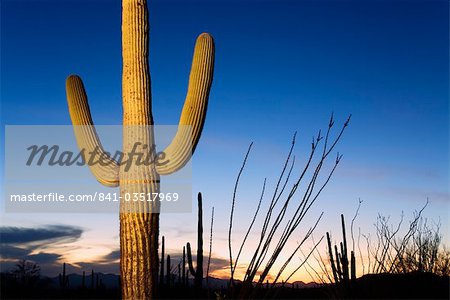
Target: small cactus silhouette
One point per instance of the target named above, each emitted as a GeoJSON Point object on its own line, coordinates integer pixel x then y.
{"type": "Point", "coordinates": [63, 278]}
{"type": "Point", "coordinates": [83, 280]}
{"type": "Point", "coordinates": [339, 262]}
{"type": "Point", "coordinates": [168, 274]}
{"type": "Point", "coordinates": [161, 276]}
{"type": "Point", "coordinates": [184, 277]}
{"type": "Point", "coordinates": [198, 272]}
{"type": "Point", "coordinates": [92, 279]}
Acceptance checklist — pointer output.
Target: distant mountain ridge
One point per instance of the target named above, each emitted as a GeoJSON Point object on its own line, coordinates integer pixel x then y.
{"type": "Point", "coordinates": [109, 281]}
{"type": "Point", "coordinates": [75, 280]}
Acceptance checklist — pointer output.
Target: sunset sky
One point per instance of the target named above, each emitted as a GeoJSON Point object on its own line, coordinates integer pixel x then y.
{"type": "Point", "coordinates": [281, 67]}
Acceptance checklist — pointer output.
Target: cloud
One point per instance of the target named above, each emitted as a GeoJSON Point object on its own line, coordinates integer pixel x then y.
{"type": "Point", "coordinates": [109, 263]}
{"type": "Point", "coordinates": [31, 244]}
{"type": "Point", "coordinates": [112, 256]}
{"type": "Point", "coordinates": [12, 252]}
{"type": "Point", "coordinates": [54, 233]}
{"type": "Point", "coordinates": [44, 258]}
{"type": "Point", "coordinates": [373, 171]}
{"type": "Point", "coordinates": [179, 231]}
{"type": "Point", "coordinates": [418, 194]}
{"type": "Point", "coordinates": [216, 264]}
{"type": "Point", "coordinates": [18, 243]}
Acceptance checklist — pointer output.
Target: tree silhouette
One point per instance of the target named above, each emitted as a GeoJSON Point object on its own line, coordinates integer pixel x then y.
{"type": "Point", "coordinates": [26, 273]}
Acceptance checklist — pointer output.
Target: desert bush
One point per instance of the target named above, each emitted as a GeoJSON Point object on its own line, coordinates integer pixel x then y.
{"type": "Point", "coordinates": [420, 249]}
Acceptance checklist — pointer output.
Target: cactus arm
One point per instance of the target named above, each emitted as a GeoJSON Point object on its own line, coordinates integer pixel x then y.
{"type": "Point", "coordinates": [344, 236]}
{"type": "Point", "coordinates": [106, 173]}
{"type": "Point", "coordinates": [344, 252]}
{"type": "Point", "coordinates": [338, 263]}
{"type": "Point", "coordinates": [193, 114]}
{"type": "Point", "coordinates": [353, 266]}
{"type": "Point", "coordinates": [330, 253]}
{"type": "Point", "coordinates": [189, 257]}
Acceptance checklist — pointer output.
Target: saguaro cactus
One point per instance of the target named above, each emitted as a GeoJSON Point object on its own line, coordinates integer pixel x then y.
{"type": "Point", "coordinates": [139, 222]}
{"type": "Point", "coordinates": [198, 272]}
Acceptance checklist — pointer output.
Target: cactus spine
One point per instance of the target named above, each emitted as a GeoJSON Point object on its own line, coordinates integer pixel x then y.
{"type": "Point", "coordinates": [139, 223]}
{"type": "Point", "coordinates": [198, 272]}
{"type": "Point", "coordinates": [339, 262]}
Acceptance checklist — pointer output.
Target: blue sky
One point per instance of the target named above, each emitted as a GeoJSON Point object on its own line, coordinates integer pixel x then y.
{"type": "Point", "coordinates": [281, 67]}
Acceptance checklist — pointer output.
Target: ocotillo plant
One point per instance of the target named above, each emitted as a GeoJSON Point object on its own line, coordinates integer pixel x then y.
{"type": "Point", "coordinates": [210, 247]}
{"type": "Point", "coordinates": [83, 280]}
{"type": "Point", "coordinates": [139, 222]}
{"type": "Point", "coordinates": [198, 272]}
{"type": "Point", "coordinates": [274, 234]}
{"type": "Point", "coordinates": [339, 262]}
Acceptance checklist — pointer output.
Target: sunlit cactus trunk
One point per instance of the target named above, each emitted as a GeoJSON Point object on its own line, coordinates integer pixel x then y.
{"type": "Point", "coordinates": [139, 221]}
{"type": "Point", "coordinates": [138, 226]}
